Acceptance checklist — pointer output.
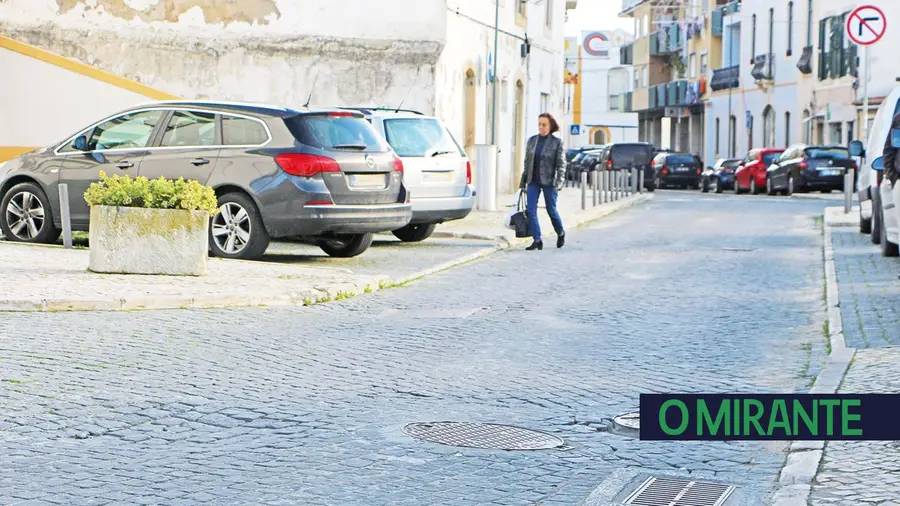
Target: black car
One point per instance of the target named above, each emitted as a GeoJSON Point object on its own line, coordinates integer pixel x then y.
{"type": "Point", "coordinates": [677, 169]}
{"type": "Point", "coordinates": [802, 168]}
{"type": "Point", "coordinates": [720, 176]}
{"type": "Point", "coordinates": [628, 156]}
{"type": "Point", "coordinates": [575, 159]}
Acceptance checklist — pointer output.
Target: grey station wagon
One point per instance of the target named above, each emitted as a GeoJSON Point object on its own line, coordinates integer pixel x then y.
{"type": "Point", "coordinates": [320, 175]}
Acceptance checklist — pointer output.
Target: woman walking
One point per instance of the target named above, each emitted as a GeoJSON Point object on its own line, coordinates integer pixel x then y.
{"type": "Point", "coordinates": [545, 172]}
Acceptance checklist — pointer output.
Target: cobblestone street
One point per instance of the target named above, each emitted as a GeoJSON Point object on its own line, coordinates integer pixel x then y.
{"type": "Point", "coordinates": [686, 293]}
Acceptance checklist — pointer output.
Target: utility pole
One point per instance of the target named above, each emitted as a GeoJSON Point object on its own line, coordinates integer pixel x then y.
{"type": "Point", "coordinates": [494, 73]}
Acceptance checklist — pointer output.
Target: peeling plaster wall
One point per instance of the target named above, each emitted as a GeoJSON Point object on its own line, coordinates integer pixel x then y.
{"type": "Point", "coordinates": [254, 50]}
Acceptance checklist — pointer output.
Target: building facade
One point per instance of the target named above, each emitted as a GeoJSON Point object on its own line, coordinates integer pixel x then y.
{"type": "Point", "coordinates": [327, 52]}
{"type": "Point", "coordinates": [596, 90]}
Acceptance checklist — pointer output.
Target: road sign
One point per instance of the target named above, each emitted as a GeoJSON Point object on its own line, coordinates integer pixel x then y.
{"type": "Point", "coordinates": [575, 130]}
{"type": "Point", "coordinates": [866, 25]}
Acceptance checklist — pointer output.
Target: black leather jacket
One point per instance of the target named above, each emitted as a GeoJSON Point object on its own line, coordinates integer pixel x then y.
{"type": "Point", "coordinates": [551, 166]}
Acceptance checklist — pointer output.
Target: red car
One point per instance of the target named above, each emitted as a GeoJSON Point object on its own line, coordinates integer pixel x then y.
{"type": "Point", "coordinates": [751, 175]}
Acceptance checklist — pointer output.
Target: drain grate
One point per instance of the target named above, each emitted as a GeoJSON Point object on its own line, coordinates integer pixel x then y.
{"type": "Point", "coordinates": [658, 491]}
{"type": "Point", "coordinates": [483, 435]}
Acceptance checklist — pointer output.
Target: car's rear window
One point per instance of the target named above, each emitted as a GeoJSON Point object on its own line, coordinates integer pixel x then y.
{"type": "Point", "coordinates": [828, 153]}
{"type": "Point", "coordinates": [631, 153]}
{"type": "Point", "coordinates": [769, 158]}
{"type": "Point", "coordinates": [336, 132]}
{"type": "Point", "coordinates": [731, 164]}
{"type": "Point", "coordinates": [420, 137]}
{"type": "Point", "coordinates": [680, 159]}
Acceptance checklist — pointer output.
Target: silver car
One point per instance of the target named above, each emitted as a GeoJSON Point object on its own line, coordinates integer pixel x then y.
{"type": "Point", "coordinates": [323, 175]}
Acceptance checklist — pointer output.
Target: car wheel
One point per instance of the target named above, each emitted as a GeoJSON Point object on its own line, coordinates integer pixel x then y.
{"type": "Point", "coordinates": [770, 190]}
{"type": "Point", "coordinates": [415, 233]}
{"type": "Point", "coordinates": [865, 226]}
{"type": "Point", "coordinates": [753, 190]}
{"type": "Point", "coordinates": [790, 186]}
{"type": "Point", "coordinates": [26, 216]}
{"type": "Point", "coordinates": [704, 185]}
{"type": "Point", "coordinates": [719, 187]}
{"type": "Point", "coordinates": [737, 186]}
{"type": "Point", "coordinates": [346, 246]}
{"type": "Point", "coordinates": [237, 230]}
{"type": "Point", "coordinates": [888, 249]}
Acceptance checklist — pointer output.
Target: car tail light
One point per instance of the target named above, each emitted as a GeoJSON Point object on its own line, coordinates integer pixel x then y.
{"type": "Point", "coordinates": [609, 164]}
{"type": "Point", "coordinates": [340, 114]}
{"type": "Point", "coordinates": [803, 165]}
{"type": "Point", "coordinates": [398, 165]}
{"type": "Point", "coordinates": [319, 203]}
{"type": "Point", "coordinates": [853, 165]}
{"type": "Point", "coordinates": [297, 164]}
{"type": "Point", "coordinates": [665, 170]}
{"type": "Point", "coordinates": [699, 171]}
{"type": "Point", "coordinates": [468, 172]}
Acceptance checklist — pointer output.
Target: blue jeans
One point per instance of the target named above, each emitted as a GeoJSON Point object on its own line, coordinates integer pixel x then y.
{"type": "Point", "coordinates": [533, 193]}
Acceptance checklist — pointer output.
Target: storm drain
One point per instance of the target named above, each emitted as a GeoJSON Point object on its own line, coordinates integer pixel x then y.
{"type": "Point", "coordinates": [658, 491]}
{"type": "Point", "coordinates": [483, 435]}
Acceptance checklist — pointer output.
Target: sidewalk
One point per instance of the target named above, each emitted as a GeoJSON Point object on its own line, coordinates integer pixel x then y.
{"type": "Point", "coordinates": [863, 299]}
{"type": "Point", "coordinates": [51, 278]}
{"type": "Point", "coordinates": [488, 225]}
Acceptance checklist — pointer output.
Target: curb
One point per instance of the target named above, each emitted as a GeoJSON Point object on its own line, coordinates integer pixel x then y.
{"type": "Point", "coordinates": [305, 297]}
{"type": "Point", "coordinates": [805, 457]}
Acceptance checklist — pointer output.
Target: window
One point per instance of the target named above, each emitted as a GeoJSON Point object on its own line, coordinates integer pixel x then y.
{"type": "Point", "coordinates": [419, 137]}
{"type": "Point", "coordinates": [732, 136]}
{"type": "Point", "coordinates": [637, 79]}
{"type": "Point", "coordinates": [190, 128]}
{"type": "Point", "coordinates": [771, 32]}
{"type": "Point", "coordinates": [790, 39]}
{"type": "Point", "coordinates": [787, 129]}
{"type": "Point", "coordinates": [717, 136]}
{"type": "Point", "coordinates": [645, 76]}
{"type": "Point", "coordinates": [850, 131]}
{"type": "Point", "coordinates": [704, 64]}
{"type": "Point", "coordinates": [837, 57]}
{"type": "Point", "coordinates": [769, 127]}
{"type": "Point", "coordinates": [753, 41]}
{"type": "Point", "coordinates": [807, 126]}
{"type": "Point", "coordinates": [243, 132]}
{"type": "Point", "coordinates": [692, 65]}
{"type": "Point", "coordinates": [548, 13]}
{"type": "Point", "coordinates": [837, 133]}
{"type": "Point", "coordinates": [520, 8]}
{"type": "Point", "coordinates": [749, 131]}
{"type": "Point", "coordinates": [335, 132]}
{"type": "Point", "coordinates": [545, 102]}
{"type": "Point", "coordinates": [130, 130]}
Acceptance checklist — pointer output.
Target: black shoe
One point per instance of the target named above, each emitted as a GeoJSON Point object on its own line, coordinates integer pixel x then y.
{"type": "Point", "coordinates": [561, 240]}
{"type": "Point", "coordinates": [536, 245]}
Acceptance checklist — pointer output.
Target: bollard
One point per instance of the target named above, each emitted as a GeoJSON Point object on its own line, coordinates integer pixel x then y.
{"type": "Point", "coordinates": [634, 182]}
{"type": "Point", "coordinates": [849, 176]}
{"type": "Point", "coordinates": [594, 184]}
{"type": "Point", "coordinates": [583, 189]}
{"type": "Point", "coordinates": [618, 186]}
{"type": "Point", "coordinates": [604, 186]}
{"type": "Point", "coordinates": [65, 216]}
{"type": "Point", "coordinates": [641, 181]}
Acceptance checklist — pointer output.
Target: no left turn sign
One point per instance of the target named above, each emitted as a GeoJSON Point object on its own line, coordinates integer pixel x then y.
{"type": "Point", "coordinates": [866, 25]}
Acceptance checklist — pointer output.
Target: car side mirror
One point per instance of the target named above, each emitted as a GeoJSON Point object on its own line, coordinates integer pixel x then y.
{"type": "Point", "coordinates": [80, 143]}
{"type": "Point", "coordinates": [895, 138]}
{"type": "Point", "coordinates": [878, 164]}
{"type": "Point", "coordinates": [857, 149]}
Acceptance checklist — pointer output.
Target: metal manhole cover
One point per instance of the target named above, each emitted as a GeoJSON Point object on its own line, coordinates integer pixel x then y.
{"type": "Point", "coordinates": [671, 491]}
{"type": "Point", "coordinates": [483, 435]}
{"type": "Point", "coordinates": [628, 424]}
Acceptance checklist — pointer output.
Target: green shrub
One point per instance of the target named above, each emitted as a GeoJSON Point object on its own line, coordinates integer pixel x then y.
{"type": "Point", "coordinates": [158, 193]}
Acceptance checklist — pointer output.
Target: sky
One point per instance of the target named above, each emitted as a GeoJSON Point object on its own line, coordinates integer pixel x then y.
{"type": "Point", "coordinates": [597, 15]}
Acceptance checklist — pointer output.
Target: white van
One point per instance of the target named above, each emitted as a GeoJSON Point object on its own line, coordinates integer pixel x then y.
{"type": "Point", "coordinates": [878, 214]}
{"type": "Point", "coordinates": [435, 168]}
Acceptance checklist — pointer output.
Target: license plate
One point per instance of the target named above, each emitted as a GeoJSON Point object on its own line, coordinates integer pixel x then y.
{"type": "Point", "coordinates": [367, 180]}
{"type": "Point", "coordinates": [831, 172]}
{"type": "Point", "coordinates": [438, 177]}
{"type": "Point", "coordinates": [682, 169]}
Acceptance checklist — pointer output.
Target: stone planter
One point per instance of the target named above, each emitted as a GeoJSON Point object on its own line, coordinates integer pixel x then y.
{"type": "Point", "coordinates": [132, 240]}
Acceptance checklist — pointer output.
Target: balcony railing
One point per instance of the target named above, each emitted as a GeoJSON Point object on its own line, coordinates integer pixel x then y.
{"type": "Point", "coordinates": [763, 67]}
{"type": "Point", "coordinates": [626, 54]}
{"type": "Point", "coordinates": [838, 63]}
{"type": "Point", "coordinates": [624, 102]}
{"type": "Point", "coordinates": [726, 78]}
{"type": "Point", "coordinates": [627, 4]}
{"type": "Point", "coordinates": [732, 8]}
{"type": "Point", "coordinates": [655, 43]}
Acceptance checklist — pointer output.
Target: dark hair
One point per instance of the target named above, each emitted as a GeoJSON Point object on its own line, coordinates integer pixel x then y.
{"type": "Point", "coordinates": [554, 126]}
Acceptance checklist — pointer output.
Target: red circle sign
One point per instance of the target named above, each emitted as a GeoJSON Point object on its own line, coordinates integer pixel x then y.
{"type": "Point", "coordinates": [866, 25]}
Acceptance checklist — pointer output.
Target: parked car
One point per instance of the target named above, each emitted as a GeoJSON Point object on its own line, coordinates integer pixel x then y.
{"type": "Point", "coordinates": [875, 194]}
{"type": "Point", "coordinates": [436, 168]}
{"type": "Point", "coordinates": [752, 174]}
{"type": "Point", "coordinates": [571, 153]}
{"type": "Point", "coordinates": [630, 156]}
{"type": "Point", "coordinates": [802, 168]}
{"type": "Point", "coordinates": [720, 176]}
{"type": "Point", "coordinates": [677, 169]}
{"type": "Point", "coordinates": [575, 166]}
{"type": "Point", "coordinates": [587, 162]}
{"type": "Point", "coordinates": [321, 174]}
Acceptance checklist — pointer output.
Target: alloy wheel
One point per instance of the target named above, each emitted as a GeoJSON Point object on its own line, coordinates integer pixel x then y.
{"type": "Point", "coordinates": [25, 215]}
{"type": "Point", "coordinates": [231, 228]}
{"type": "Point", "coordinates": [791, 185]}
{"type": "Point", "coordinates": [715, 184]}
{"type": "Point", "coordinates": [753, 185]}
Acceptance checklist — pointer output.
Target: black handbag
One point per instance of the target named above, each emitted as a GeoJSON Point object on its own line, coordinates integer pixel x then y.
{"type": "Point", "coordinates": [519, 220]}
